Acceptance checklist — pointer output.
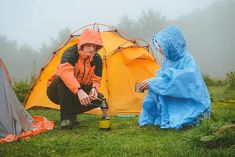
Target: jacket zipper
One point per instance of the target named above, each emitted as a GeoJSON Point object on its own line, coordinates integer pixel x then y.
{"type": "Point", "coordinates": [77, 74]}
{"type": "Point", "coordinates": [84, 70]}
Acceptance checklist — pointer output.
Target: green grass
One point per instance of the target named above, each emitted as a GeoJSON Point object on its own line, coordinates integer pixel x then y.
{"type": "Point", "coordinates": [222, 94]}
{"type": "Point", "coordinates": [127, 139]}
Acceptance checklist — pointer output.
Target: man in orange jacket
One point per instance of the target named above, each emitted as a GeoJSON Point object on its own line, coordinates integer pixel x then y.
{"type": "Point", "coordinates": [75, 84]}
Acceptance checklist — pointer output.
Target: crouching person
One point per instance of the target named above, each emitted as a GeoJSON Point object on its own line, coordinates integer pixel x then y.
{"type": "Point", "coordinates": [178, 95]}
{"type": "Point", "coordinates": [76, 81]}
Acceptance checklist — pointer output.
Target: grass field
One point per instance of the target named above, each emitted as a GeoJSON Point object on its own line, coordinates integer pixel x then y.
{"type": "Point", "coordinates": [209, 139]}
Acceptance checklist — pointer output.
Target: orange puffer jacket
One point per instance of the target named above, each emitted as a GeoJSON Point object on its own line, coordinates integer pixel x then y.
{"type": "Point", "coordinates": [77, 68]}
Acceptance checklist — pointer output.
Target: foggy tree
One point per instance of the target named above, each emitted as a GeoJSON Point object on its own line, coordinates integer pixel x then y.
{"type": "Point", "coordinates": [126, 24]}
{"type": "Point", "coordinates": [149, 22]}
{"type": "Point", "coordinates": [26, 57]}
{"type": "Point", "coordinates": [209, 33]}
{"type": "Point", "coordinates": [23, 61]}
{"type": "Point", "coordinates": [63, 34]}
{"type": "Point", "coordinates": [17, 59]}
{"type": "Point", "coordinates": [47, 49]}
{"type": "Point", "coordinates": [210, 37]}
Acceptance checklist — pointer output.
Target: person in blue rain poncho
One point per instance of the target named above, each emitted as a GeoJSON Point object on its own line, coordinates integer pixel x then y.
{"type": "Point", "coordinates": [177, 96]}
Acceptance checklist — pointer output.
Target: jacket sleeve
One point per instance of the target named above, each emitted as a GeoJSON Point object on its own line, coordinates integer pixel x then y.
{"type": "Point", "coordinates": [180, 83]}
{"type": "Point", "coordinates": [66, 69]}
{"type": "Point", "coordinates": [96, 77]}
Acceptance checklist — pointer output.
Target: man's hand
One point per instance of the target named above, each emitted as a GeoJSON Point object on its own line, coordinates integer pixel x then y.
{"type": "Point", "coordinates": [93, 94]}
{"type": "Point", "coordinates": [144, 85]}
{"type": "Point", "coordinates": [83, 97]}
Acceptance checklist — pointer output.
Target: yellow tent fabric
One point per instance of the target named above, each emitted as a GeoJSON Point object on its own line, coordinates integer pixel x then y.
{"type": "Point", "coordinates": [124, 63]}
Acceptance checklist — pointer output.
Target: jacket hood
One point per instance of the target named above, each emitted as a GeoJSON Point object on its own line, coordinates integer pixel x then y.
{"type": "Point", "coordinates": [172, 41]}
{"type": "Point", "coordinates": [90, 36]}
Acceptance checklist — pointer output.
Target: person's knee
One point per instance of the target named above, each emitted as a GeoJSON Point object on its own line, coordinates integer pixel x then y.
{"type": "Point", "coordinates": [52, 96]}
{"type": "Point", "coordinates": [55, 89]}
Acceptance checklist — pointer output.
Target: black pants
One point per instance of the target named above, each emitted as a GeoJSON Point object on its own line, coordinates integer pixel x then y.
{"type": "Point", "coordinates": [69, 103]}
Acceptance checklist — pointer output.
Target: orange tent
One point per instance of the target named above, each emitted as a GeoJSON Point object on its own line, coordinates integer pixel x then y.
{"type": "Point", "coordinates": [124, 62]}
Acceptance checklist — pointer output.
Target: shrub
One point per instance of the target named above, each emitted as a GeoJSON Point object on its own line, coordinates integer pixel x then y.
{"type": "Point", "coordinates": [213, 82]}
{"type": "Point", "coordinates": [230, 78]}
{"type": "Point", "coordinates": [21, 87]}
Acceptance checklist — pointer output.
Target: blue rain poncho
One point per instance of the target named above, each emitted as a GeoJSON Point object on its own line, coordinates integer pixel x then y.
{"type": "Point", "coordinates": [177, 96]}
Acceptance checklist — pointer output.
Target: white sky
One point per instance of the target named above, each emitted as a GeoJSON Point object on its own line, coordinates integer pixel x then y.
{"type": "Point", "coordinates": [36, 21]}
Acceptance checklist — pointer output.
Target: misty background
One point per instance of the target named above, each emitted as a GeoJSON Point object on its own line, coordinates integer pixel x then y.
{"type": "Point", "coordinates": [31, 30]}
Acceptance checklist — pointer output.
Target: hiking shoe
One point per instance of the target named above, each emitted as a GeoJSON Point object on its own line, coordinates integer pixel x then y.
{"type": "Point", "coordinates": [66, 124]}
